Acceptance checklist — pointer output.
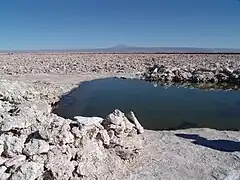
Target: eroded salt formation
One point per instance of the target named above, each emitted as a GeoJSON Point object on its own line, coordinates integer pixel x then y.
{"type": "Point", "coordinates": [217, 74]}
{"type": "Point", "coordinates": [36, 144]}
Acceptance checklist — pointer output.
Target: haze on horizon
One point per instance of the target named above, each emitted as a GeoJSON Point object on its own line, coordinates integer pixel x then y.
{"type": "Point", "coordinates": [78, 24]}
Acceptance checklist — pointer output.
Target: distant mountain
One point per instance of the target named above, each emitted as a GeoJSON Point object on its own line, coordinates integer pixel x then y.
{"type": "Point", "coordinates": [128, 49]}
{"type": "Point", "coordinates": [132, 49]}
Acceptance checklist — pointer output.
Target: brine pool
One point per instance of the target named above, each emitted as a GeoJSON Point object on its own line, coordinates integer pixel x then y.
{"type": "Point", "coordinates": [156, 107]}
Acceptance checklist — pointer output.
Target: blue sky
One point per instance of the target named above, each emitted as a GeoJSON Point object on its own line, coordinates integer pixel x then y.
{"type": "Point", "coordinates": [73, 24]}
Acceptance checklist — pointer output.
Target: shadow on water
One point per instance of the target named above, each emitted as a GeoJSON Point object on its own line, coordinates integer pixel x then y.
{"type": "Point", "coordinates": [220, 145]}
{"type": "Point", "coordinates": [157, 108]}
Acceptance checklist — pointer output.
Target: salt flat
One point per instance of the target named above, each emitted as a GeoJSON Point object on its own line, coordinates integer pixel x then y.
{"type": "Point", "coordinates": [31, 83]}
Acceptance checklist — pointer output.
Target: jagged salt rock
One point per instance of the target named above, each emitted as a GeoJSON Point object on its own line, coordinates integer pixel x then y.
{"type": "Point", "coordinates": [227, 70]}
{"type": "Point", "coordinates": [174, 69]}
{"type": "Point", "coordinates": [155, 70]}
{"type": "Point", "coordinates": [113, 126]}
{"type": "Point", "coordinates": [116, 117]}
{"type": "Point", "coordinates": [42, 158]}
{"type": "Point", "coordinates": [29, 171]}
{"type": "Point", "coordinates": [125, 154]}
{"type": "Point", "coordinates": [115, 141]}
{"type": "Point", "coordinates": [23, 117]}
{"type": "Point", "coordinates": [77, 132]}
{"type": "Point", "coordinates": [131, 116]}
{"type": "Point", "coordinates": [57, 132]}
{"type": "Point", "coordinates": [42, 106]}
{"type": "Point", "coordinates": [14, 122]}
{"type": "Point", "coordinates": [217, 65]}
{"type": "Point", "coordinates": [36, 146]}
{"type": "Point", "coordinates": [93, 160]}
{"type": "Point", "coordinates": [82, 170]}
{"type": "Point", "coordinates": [13, 146]}
{"type": "Point", "coordinates": [128, 125]}
{"type": "Point", "coordinates": [59, 163]}
{"type": "Point", "coordinates": [119, 131]}
{"type": "Point", "coordinates": [5, 176]}
{"type": "Point", "coordinates": [2, 109]}
{"type": "Point", "coordinates": [235, 76]}
{"type": "Point", "coordinates": [111, 134]}
{"type": "Point", "coordinates": [1, 147]}
{"type": "Point", "coordinates": [17, 160]}
{"type": "Point", "coordinates": [186, 75]}
{"type": "Point", "coordinates": [2, 160]}
{"type": "Point", "coordinates": [198, 78]}
{"type": "Point", "coordinates": [88, 120]}
{"type": "Point", "coordinates": [105, 137]}
{"type": "Point", "coordinates": [2, 170]}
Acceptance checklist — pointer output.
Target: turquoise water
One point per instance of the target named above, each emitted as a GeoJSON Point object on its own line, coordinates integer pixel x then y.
{"type": "Point", "coordinates": [157, 108]}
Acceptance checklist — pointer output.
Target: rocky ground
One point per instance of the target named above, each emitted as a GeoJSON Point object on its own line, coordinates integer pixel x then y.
{"type": "Point", "coordinates": [17, 64]}
{"type": "Point", "coordinates": [36, 144]}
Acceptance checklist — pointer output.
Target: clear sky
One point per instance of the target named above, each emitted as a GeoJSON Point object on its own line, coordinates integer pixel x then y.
{"type": "Point", "coordinates": [73, 24]}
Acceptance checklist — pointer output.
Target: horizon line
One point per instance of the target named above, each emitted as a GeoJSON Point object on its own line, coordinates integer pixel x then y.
{"type": "Point", "coordinates": [119, 47]}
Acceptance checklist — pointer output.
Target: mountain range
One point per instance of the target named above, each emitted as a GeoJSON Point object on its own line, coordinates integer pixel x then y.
{"type": "Point", "coordinates": [135, 49]}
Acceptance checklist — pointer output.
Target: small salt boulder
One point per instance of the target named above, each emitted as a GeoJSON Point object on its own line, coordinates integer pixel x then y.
{"type": "Point", "coordinates": [36, 146]}
{"type": "Point", "coordinates": [1, 147]}
{"type": "Point", "coordinates": [111, 134]}
{"type": "Point", "coordinates": [29, 171]}
{"type": "Point", "coordinates": [128, 125]}
{"type": "Point", "coordinates": [131, 116]}
{"type": "Point", "coordinates": [16, 161]}
{"type": "Point", "coordinates": [13, 122]}
{"type": "Point", "coordinates": [116, 117]}
{"type": "Point", "coordinates": [105, 137]}
{"type": "Point", "coordinates": [155, 70]}
{"type": "Point", "coordinates": [5, 175]}
{"type": "Point", "coordinates": [13, 146]}
{"type": "Point", "coordinates": [58, 132]}
{"type": "Point", "coordinates": [2, 160]}
{"type": "Point", "coordinates": [86, 121]}
{"type": "Point", "coordinates": [2, 170]}
{"type": "Point", "coordinates": [227, 70]}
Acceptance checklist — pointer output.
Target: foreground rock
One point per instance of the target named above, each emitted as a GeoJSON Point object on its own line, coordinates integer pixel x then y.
{"type": "Point", "coordinates": [36, 144]}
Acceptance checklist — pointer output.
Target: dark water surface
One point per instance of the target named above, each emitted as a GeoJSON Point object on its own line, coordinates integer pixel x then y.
{"type": "Point", "coordinates": [156, 107]}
